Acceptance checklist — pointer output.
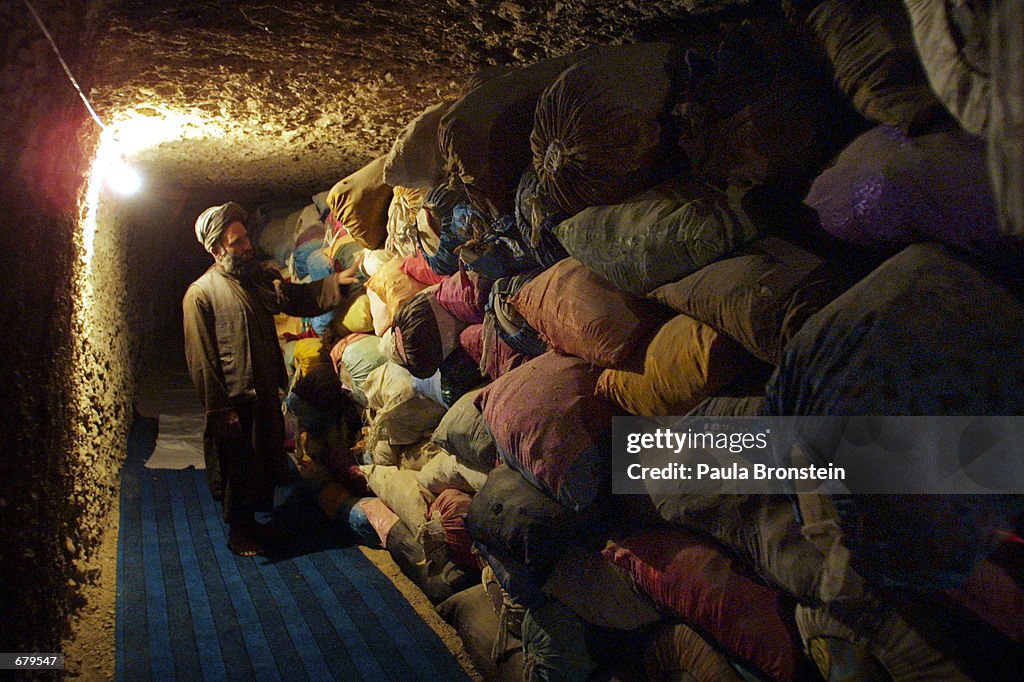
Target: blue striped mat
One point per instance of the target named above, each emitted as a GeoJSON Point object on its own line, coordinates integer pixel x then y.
{"type": "Point", "coordinates": [189, 609]}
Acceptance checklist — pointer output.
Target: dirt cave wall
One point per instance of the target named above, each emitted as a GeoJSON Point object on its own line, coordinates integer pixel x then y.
{"type": "Point", "coordinates": [67, 379]}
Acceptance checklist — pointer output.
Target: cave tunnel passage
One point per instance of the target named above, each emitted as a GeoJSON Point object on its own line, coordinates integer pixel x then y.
{"type": "Point", "coordinates": [264, 104]}
{"type": "Point", "coordinates": [269, 104]}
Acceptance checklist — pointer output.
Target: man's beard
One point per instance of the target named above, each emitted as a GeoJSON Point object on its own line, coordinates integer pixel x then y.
{"type": "Point", "coordinates": [243, 266]}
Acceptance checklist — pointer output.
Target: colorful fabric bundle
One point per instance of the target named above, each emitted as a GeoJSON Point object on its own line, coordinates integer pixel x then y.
{"type": "Point", "coordinates": [677, 652]}
{"type": "Point", "coordinates": [438, 582]}
{"type": "Point", "coordinates": [425, 333]}
{"type": "Point", "coordinates": [418, 268]}
{"type": "Point", "coordinates": [452, 506]}
{"type": "Point", "coordinates": [444, 472]}
{"type": "Point", "coordinates": [402, 229]}
{"type": "Point", "coordinates": [889, 188]}
{"type": "Point", "coordinates": [600, 592]}
{"type": "Point", "coordinates": [392, 288]}
{"type": "Point", "coordinates": [865, 644]}
{"type": "Point", "coordinates": [497, 249]}
{"type": "Point", "coordinates": [356, 318]}
{"type": "Point", "coordinates": [555, 645]}
{"type": "Point", "coordinates": [358, 358]}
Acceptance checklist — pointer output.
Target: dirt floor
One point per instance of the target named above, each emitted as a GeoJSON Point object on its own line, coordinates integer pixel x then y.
{"type": "Point", "coordinates": [90, 652]}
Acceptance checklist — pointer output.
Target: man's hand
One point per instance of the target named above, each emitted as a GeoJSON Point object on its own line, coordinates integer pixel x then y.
{"type": "Point", "coordinates": [226, 424]}
{"type": "Point", "coordinates": [350, 275]}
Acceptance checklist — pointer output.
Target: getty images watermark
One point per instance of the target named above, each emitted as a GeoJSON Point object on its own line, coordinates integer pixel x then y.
{"type": "Point", "coordinates": [833, 455]}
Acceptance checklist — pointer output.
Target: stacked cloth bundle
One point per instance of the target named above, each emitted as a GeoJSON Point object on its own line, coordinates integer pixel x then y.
{"type": "Point", "coordinates": [775, 218]}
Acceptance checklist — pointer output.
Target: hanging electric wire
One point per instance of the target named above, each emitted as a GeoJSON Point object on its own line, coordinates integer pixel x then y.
{"type": "Point", "coordinates": [64, 64]}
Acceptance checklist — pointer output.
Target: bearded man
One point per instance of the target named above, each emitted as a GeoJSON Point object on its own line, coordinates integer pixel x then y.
{"type": "Point", "coordinates": [236, 364]}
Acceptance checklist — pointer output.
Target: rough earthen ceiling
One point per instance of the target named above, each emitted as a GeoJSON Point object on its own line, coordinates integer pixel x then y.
{"type": "Point", "coordinates": [291, 96]}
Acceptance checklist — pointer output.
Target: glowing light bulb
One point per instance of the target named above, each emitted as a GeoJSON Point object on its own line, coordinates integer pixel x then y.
{"type": "Point", "coordinates": [122, 178]}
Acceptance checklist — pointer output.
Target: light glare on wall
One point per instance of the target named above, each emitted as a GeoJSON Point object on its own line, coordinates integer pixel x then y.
{"type": "Point", "coordinates": [146, 126]}
{"type": "Point", "coordinates": [122, 178]}
{"type": "Point", "coordinates": [130, 132]}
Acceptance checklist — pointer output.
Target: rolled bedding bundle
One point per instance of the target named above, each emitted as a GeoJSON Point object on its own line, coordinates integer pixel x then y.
{"type": "Point", "coordinates": [400, 490]}
{"type": "Point", "coordinates": [549, 425]}
{"type": "Point", "coordinates": [716, 594]}
{"type": "Point", "coordinates": [600, 592]}
{"type": "Point", "coordinates": [889, 188]}
{"type": "Point", "coordinates": [465, 295]}
{"type": "Point", "coordinates": [577, 312]}
{"type": "Point", "coordinates": [658, 236]}
{"type": "Point", "coordinates": [463, 432]}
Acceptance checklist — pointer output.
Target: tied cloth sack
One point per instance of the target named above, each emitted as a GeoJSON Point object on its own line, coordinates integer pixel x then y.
{"type": "Point", "coordinates": [598, 134]}
{"type": "Point", "coordinates": [401, 414]}
{"type": "Point", "coordinates": [753, 111]}
{"type": "Point", "coordinates": [486, 134]}
{"type": "Point", "coordinates": [658, 236]}
{"type": "Point", "coordinates": [388, 290]}
{"type": "Point", "coordinates": [405, 205]}
{"type": "Point", "coordinates": [927, 333]}
{"type": "Point", "coordinates": [549, 425]}
{"type": "Point", "coordinates": [578, 313]}
{"type": "Point", "coordinates": [870, 47]}
{"type": "Point", "coordinates": [536, 219]}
